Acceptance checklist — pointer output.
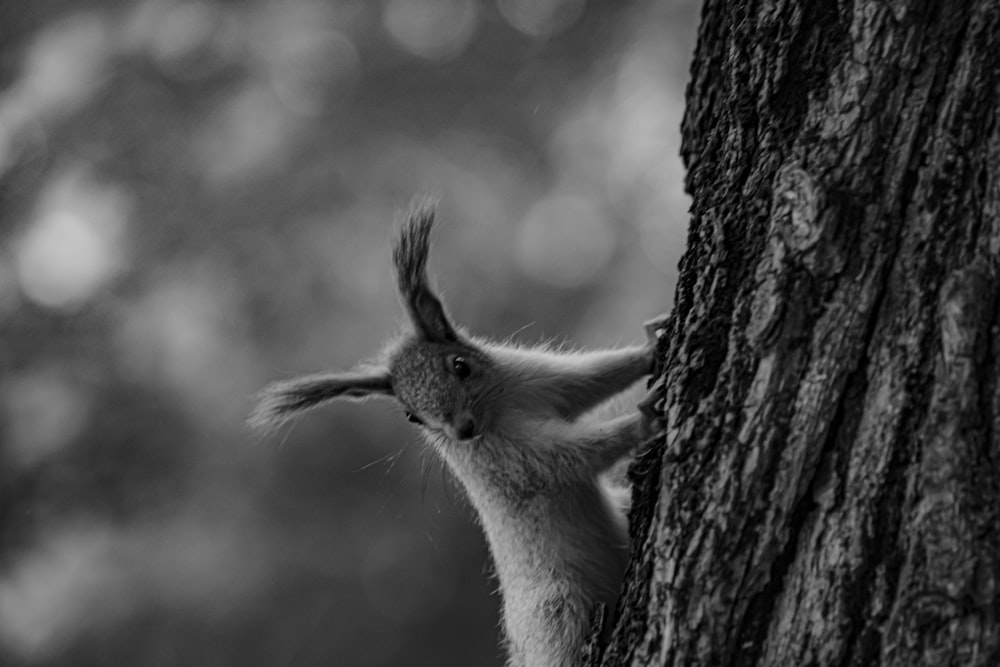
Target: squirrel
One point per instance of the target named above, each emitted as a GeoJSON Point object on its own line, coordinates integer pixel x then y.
{"type": "Point", "coordinates": [510, 422]}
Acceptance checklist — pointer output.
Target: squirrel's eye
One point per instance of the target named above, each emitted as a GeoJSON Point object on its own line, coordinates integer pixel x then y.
{"type": "Point", "coordinates": [413, 419]}
{"type": "Point", "coordinates": [461, 368]}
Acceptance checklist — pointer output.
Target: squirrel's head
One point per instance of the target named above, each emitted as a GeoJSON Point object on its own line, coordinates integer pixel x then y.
{"type": "Point", "coordinates": [439, 376]}
{"type": "Point", "coordinates": [441, 386]}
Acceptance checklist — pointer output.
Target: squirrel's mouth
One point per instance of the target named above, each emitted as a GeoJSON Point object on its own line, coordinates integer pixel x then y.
{"type": "Point", "coordinates": [462, 436]}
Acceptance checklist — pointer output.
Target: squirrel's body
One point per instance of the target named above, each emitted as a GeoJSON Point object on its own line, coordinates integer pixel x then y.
{"type": "Point", "coordinates": [557, 551]}
{"type": "Point", "coordinates": [511, 424]}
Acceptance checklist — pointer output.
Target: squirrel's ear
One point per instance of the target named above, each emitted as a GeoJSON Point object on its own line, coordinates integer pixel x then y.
{"type": "Point", "coordinates": [410, 247]}
{"type": "Point", "coordinates": [281, 401]}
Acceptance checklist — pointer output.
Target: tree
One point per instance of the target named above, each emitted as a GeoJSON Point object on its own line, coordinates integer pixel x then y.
{"type": "Point", "coordinates": [829, 492]}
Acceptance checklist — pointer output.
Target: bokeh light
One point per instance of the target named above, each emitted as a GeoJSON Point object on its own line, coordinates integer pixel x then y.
{"type": "Point", "coordinates": [247, 134]}
{"type": "Point", "coordinates": [565, 240]}
{"type": "Point", "coordinates": [62, 68]}
{"type": "Point", "coordinates": [541, 18]}
{"type": "Point", "coordinates": [434, 29]}
{"type": "Point", "coordinates": [74, 245]}
{"type": "Point", "coordinates": [190, 40]}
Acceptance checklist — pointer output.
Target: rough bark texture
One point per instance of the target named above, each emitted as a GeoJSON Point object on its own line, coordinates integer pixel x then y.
{"type": "Point", "coordinates": [830, 491]}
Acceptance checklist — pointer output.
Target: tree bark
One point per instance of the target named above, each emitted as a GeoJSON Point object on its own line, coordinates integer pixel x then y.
{"type": "Point", "coordinates": [829, 490]}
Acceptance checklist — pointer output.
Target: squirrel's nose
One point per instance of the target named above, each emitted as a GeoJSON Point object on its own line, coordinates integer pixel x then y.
{"type": "Point", "coordinates": [465, 428]}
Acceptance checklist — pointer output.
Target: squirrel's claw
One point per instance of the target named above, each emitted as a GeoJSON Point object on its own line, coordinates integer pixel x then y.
{"type": "Point", "coordinates": [654, 425]}
{"type": "Point", "coordinates": [655, 328]}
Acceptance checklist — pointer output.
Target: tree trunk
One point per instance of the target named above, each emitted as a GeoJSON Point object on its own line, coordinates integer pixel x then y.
{"type": "Point", "coordinates": [829, 492]}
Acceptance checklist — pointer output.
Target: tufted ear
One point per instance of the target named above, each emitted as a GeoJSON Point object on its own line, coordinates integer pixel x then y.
{"type": "Point", "coordinates": [410, 247]}
{"type": "Point", "coordinates": [281, 401]}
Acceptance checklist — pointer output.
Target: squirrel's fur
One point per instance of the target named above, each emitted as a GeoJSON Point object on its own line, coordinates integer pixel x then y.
{"type": "Point", "coordinates": [512, 425]}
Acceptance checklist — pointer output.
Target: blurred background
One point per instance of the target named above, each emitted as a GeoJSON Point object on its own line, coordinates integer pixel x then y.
{"type": "Point", "coordinates": [195, 199]}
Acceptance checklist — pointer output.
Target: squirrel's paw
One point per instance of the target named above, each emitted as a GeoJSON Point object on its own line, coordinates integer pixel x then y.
{"type": "Point", "coordinates": [654, 425]}
{"type": "Point", "coordinates": [655, 328]}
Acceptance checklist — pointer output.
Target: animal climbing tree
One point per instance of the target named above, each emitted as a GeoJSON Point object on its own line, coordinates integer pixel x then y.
{"type": "Point", "coordinates": [829, 492]}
